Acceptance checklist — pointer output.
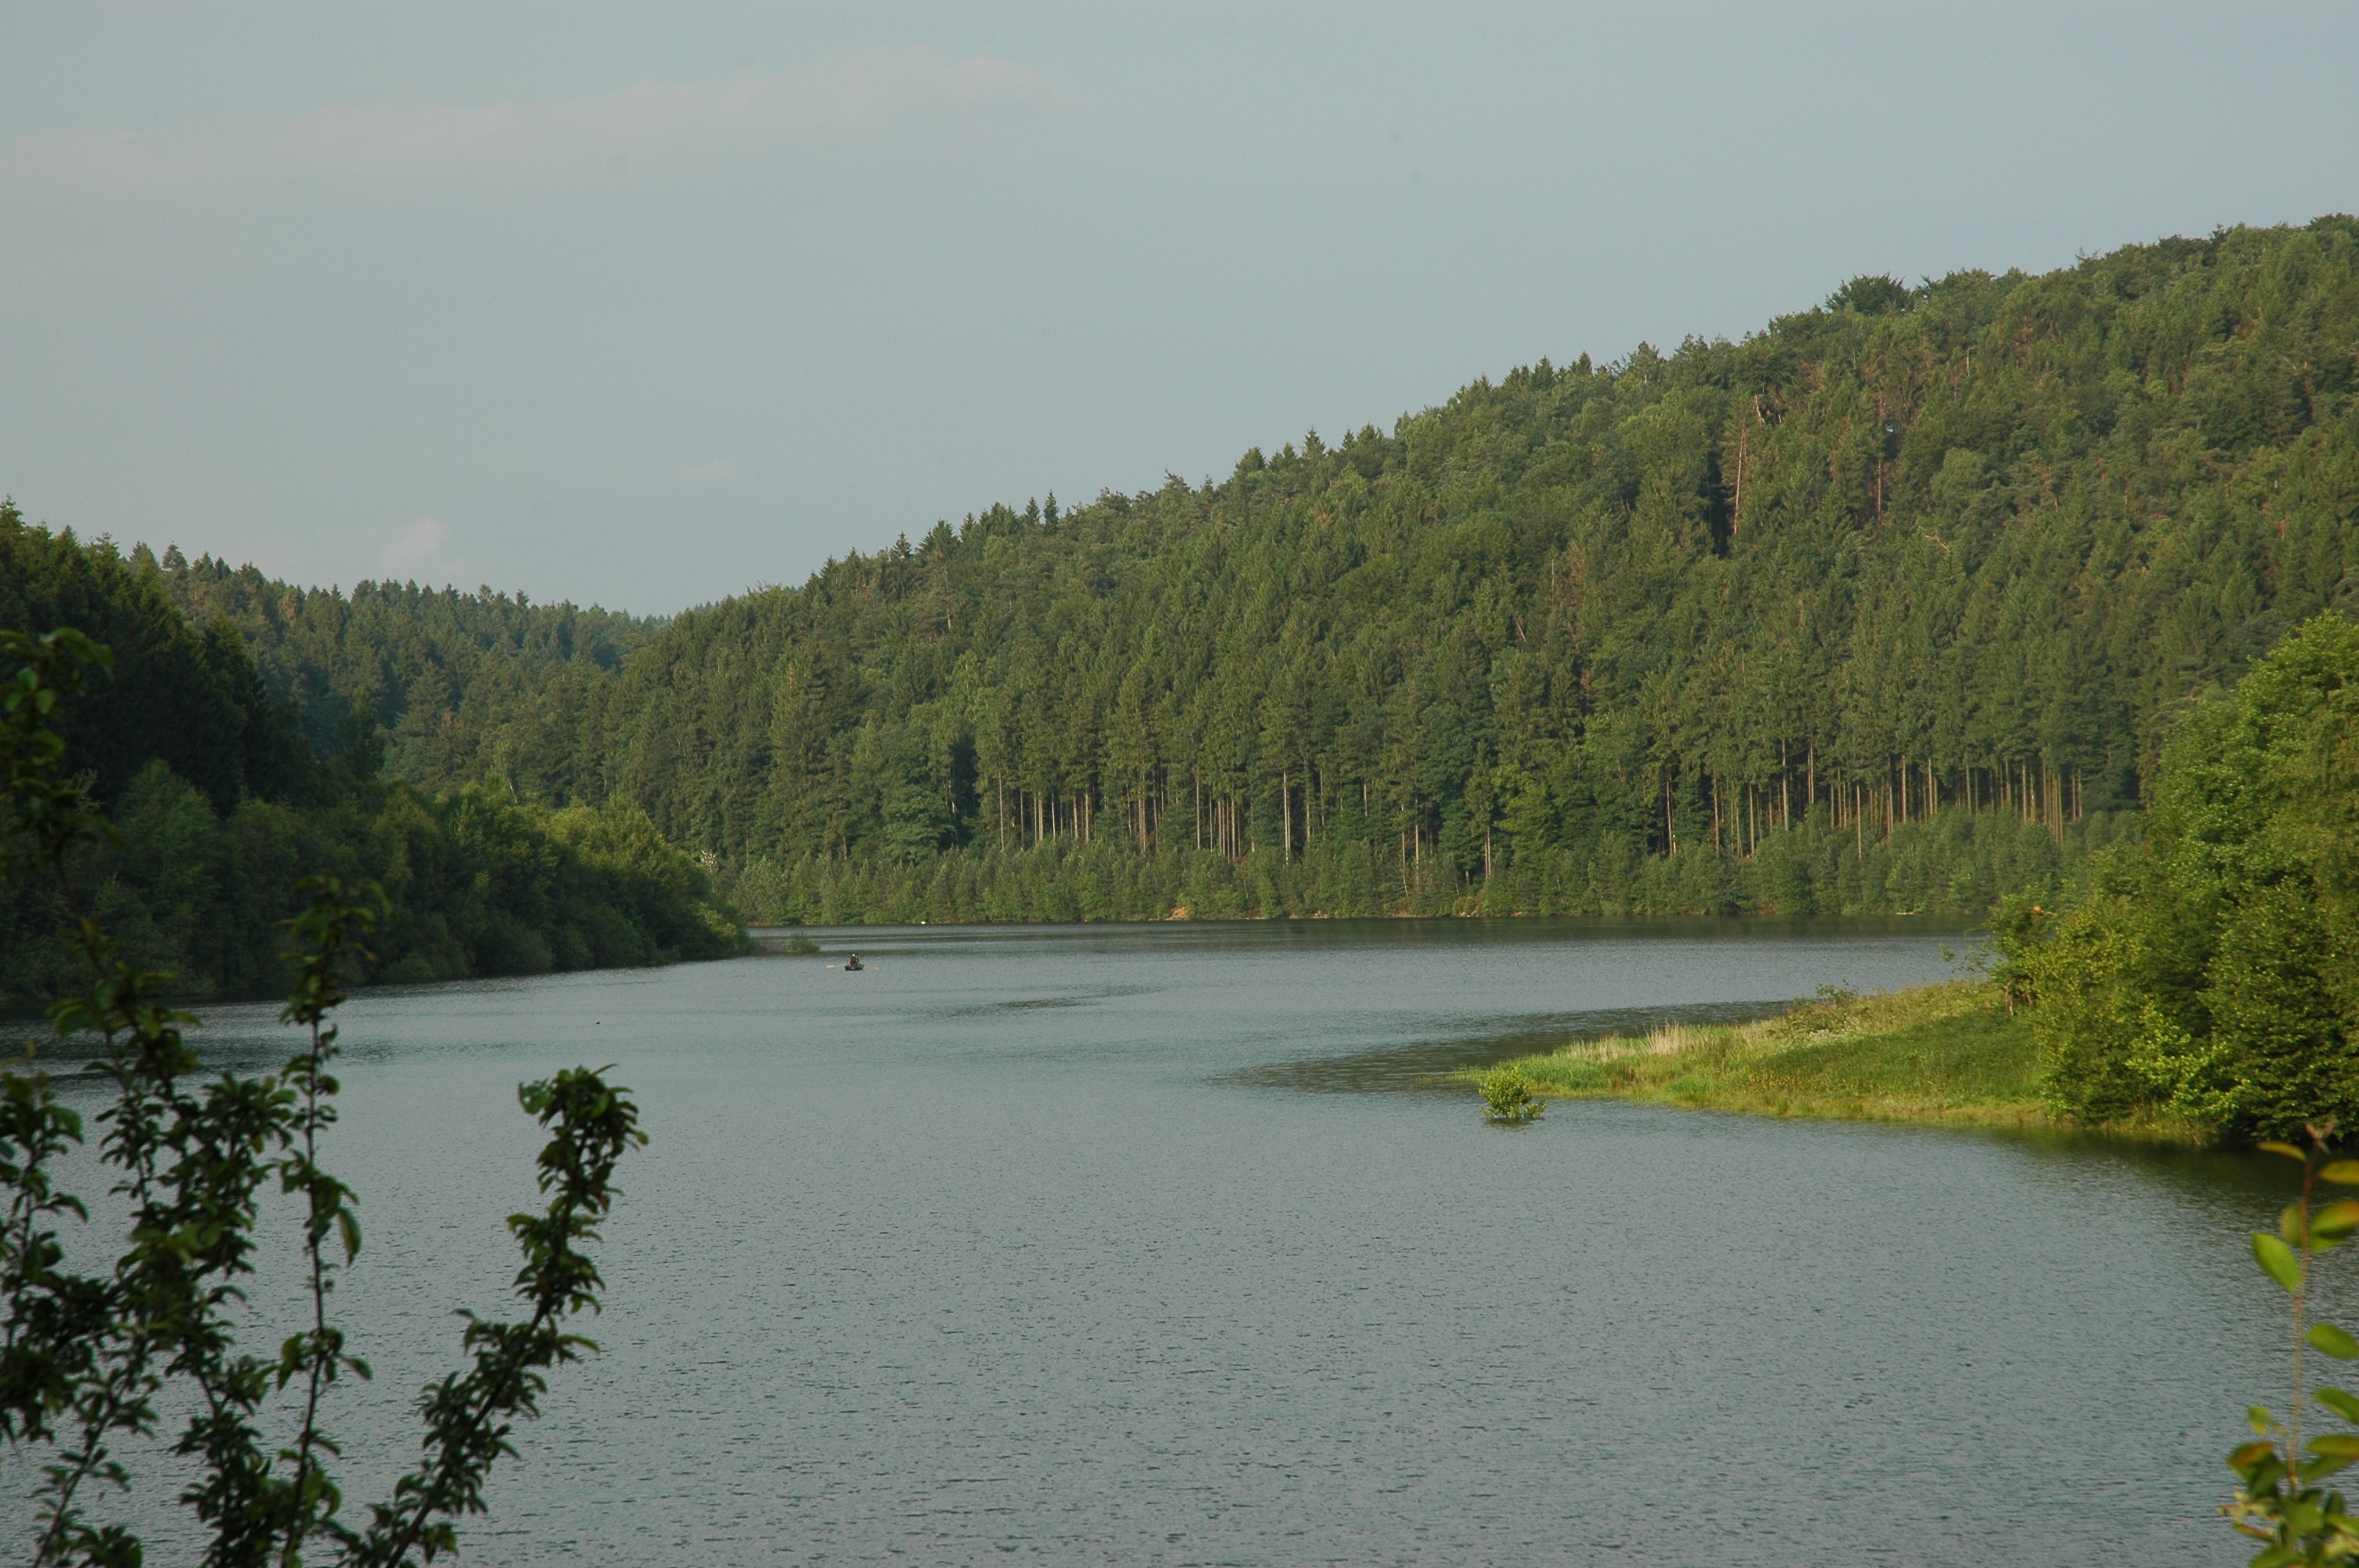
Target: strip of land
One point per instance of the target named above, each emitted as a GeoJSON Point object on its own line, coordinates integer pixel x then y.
{"type": "Point", "coordinates": [1949, 1055]}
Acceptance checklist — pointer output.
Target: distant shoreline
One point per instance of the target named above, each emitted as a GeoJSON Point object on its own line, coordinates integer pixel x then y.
{"type": "Point", "coordinates": [1944, 921]}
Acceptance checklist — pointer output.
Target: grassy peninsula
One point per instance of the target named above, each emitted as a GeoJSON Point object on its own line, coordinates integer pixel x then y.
{"type": "Point", "coordinates": [1947, 1054]}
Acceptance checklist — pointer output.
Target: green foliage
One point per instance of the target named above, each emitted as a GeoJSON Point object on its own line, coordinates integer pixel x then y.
{"type": "Point", "coordinates": [466, 687]}
{"type": "Point", "coordinates": [468, 1414]}
{"type": "Point", "coordinates": [1947, 1054]}
{"type": "Point", "coordinates": [90, 1362]}
{"type": "Point", "coordinates": [193, 881]}
{"type": "Point", "coordinates": [1887, 608]}
{"type": "Point", "coordinates": [43, 814]}
{"type": "Point", "coordinates": [1508, 1098]}
{"type": "Point", "coordinates": [2211, 973]}
{"type": "Point", "coordinates": [179, 691]}
{"type": "Point", "coordinates": [1959, 864]}
{"type": "Point", "coordinates": [1845, 616]}
{"type": "Point", "coordinates": [2278, 1501]}
{"type": "Point", "coordinates": [482, 885]}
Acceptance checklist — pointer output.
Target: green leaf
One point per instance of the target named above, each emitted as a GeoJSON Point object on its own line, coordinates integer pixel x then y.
{"type": "Point", "coordinates": [2277, 1557]}
{"type": "Point", "coordinates": [2257, 1417]}
{"type": "Point", "coordinates": [2333, 1341]}
{"type": "Point", "coordinates": [2336, 1220]}
{"type": "Point", "coordinates": [2341, 1172]}
{"type": "Point", "coordinates": [2287, 1149]}
{"type": "Point", "coordinates": [2276, 1261]}
{"type": "Point", "coordinates": [2289, 1224]}
{"type": "Point", "coordinates": [2341, 1403]}
{"type": "Point", "coordinates": [2250, 1454]}
{"type": "Point", "coordinates": [2341, 1446]}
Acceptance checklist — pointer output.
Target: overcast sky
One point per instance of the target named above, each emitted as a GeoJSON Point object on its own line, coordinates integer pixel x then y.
{"type": "Point", "coordinates": [645, 304]}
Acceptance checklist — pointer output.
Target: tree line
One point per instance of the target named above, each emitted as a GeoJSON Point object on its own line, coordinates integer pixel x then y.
{"type": "Point", "coordinates": [1854, 613]}
{"type": "Point", "coordinates": [2209, 974]}
{"type": "Point", "coordinates": [221, 802]}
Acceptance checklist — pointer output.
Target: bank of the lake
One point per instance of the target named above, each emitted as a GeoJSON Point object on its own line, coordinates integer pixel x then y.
{"type": "Point", "coordinates": [1948, 1055]}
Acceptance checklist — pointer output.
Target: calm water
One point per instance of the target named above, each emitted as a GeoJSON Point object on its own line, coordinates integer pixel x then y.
{"type": "Point", "coordinates": [1162, 1246]}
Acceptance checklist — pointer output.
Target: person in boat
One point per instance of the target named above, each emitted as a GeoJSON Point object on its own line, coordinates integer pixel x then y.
{"type": "Point", "coordinates": [850, 963]}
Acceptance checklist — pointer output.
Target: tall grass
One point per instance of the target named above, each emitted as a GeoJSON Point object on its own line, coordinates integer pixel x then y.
{"type": "Point", "coordinates": [1942, 1054]}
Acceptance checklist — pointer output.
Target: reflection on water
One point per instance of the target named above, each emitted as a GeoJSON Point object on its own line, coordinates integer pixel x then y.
{"type": "Point", "coordinates": [1038, 1003]}
{"type": "Point", "coordinates": [1027, 1242]}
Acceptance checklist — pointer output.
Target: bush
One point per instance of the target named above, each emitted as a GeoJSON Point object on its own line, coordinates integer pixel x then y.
{"type": "Point", "coordinates": [1509, 1097]}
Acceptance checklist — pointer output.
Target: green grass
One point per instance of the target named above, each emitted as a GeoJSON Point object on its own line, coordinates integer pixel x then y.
{"type": "Point", "coordinates": [1947, 1054]}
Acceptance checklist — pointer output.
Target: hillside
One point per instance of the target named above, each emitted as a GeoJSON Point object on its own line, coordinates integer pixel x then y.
{"type": "Point", "coordinates": [467, 685]}
{"type": "Point", "coordinates": [219, 805]}
{"type": "Point", "coordinates": [1886, 607]}
{"type": "Point", "coordinates": [1604, 632]}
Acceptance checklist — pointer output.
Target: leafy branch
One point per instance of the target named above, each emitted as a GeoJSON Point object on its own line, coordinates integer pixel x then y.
{"type": "Point", "coordinates": [2279, 1501]}
{"type": "Point", "coordinates": [82, 1359]}
{"type": "Point", "coordinates": [469, 1415]}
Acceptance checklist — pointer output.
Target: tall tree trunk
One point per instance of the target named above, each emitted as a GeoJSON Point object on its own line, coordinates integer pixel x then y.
{"type": "Point", "coordinates": [1737, 505]}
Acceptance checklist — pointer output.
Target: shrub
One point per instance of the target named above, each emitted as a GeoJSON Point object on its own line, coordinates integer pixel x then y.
{"type": "Point", "coordinates": [1509, 1097]}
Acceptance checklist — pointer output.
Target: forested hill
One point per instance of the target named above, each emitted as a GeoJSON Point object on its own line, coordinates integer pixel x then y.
{"type": "Point", "coordinates": [1968, 545]}
{"type": "Point", "coordinates": [1886, 607]}
{"type": "Point", "coordinates": [219, 806]}
{"type": "Point", "coordinates": [466, 685]}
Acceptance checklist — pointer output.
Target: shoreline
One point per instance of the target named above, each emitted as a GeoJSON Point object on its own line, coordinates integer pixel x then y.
{"type": "Point", "coordinates": [1944, 923]}
{"type": "Point", "coordinates": [1940, 1055]}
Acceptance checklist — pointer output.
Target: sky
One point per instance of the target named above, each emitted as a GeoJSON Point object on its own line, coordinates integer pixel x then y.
{"type": "Point", "coordinates": [642, 305]}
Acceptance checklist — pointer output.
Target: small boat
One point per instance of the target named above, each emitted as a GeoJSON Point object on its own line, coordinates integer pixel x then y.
{"type": "Point", "coordinates": [852, 963]}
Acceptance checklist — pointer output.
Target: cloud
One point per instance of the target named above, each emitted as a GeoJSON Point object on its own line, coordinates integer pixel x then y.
{"type": "Point", "coordinates": [874, 96]}
{"type": "Point", "coordinates": [414, 549]}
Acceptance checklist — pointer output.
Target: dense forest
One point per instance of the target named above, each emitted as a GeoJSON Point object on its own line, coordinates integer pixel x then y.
{"type": "Point", "coordinates": [220, 803]}
{"type": "Point", "coordinates": [1889, 606]}
{"type": "Point", "coordinates": [468, 686]}
{"type": "Point", "coordinates": [1923, 575]}
{"type": "Point", "coordinates": [2212, 973]}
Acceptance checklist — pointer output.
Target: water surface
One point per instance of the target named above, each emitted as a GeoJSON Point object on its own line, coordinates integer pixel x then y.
{"type": "Point", "coordinates": [1162, 1245]}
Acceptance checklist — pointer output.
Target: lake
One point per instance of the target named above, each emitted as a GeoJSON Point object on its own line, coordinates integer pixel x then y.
{"type": "Point", "coordinates": [1170, 1245]}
